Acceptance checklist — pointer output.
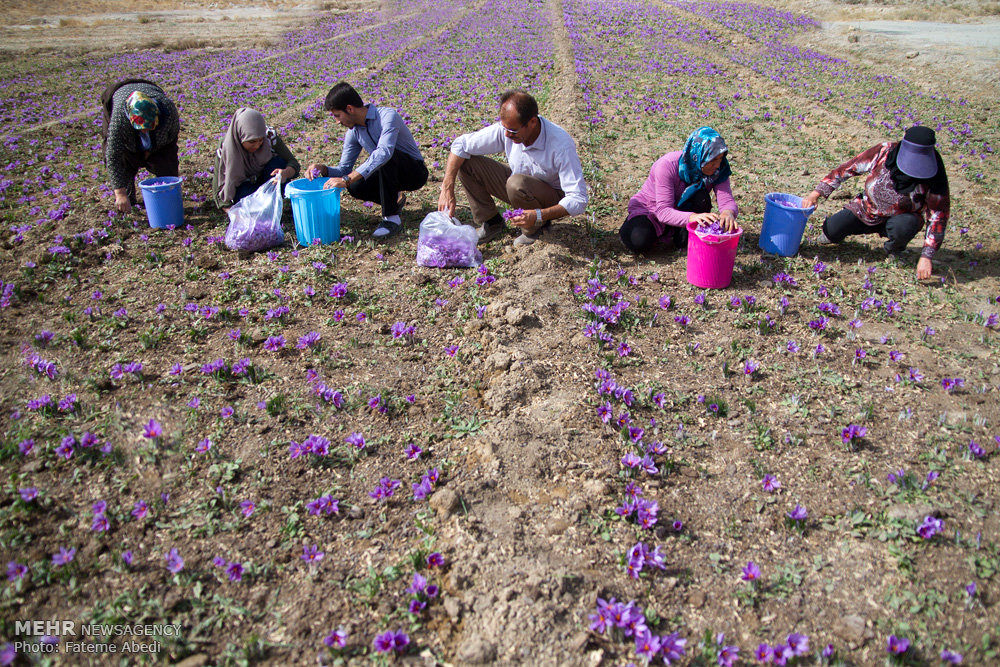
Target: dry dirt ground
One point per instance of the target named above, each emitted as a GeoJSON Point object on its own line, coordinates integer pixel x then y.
{"type": "Point", "coordinates": [524, 522]}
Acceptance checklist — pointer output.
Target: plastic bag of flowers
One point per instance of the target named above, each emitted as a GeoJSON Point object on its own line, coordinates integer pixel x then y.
{"type": "Point", "coordinates": [444, 242]}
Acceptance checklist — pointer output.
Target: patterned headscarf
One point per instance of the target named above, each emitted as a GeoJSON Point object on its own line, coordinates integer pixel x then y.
{"type": "Point", "coordinates": [143, 111]}
{"type": "Point", "coordinates": [704, 145]}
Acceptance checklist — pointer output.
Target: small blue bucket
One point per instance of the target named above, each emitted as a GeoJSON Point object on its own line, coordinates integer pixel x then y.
{"type": "Point", "coordinates": [316, 211]}
{"type": "Point", "coordinates": [784, 224]}
{"type": "Point", "coordinates": [164, 204]}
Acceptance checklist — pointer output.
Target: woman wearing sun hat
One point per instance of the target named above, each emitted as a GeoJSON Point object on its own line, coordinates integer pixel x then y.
{"type": "Point", "coordinates": [677, 191]}
{"type": "Point", "coordinates": [140, 130]}
{"type": "Point", "coordinates": [906, 184]}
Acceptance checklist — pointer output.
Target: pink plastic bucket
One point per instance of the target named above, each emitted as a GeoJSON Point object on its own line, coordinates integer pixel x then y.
{"type": "Point", "coordinates": [711, 259]}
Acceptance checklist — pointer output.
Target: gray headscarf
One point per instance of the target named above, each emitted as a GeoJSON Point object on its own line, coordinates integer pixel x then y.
{"type": "Point", "coordinates": [236, 163]}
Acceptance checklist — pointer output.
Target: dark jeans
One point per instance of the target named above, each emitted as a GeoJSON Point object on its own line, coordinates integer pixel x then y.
{"type": "Point", "coordinates": [638, 234]}
{"type": "Point", "coordinates": [250, 186]}
{"type": "Point", "coordinates": [899, 229]}
{"type": "Point", "coordinates": [383, 186]}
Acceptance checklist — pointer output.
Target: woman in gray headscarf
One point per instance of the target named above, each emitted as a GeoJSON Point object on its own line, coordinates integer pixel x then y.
{"type": "Point", "coordinates": [249, 154]}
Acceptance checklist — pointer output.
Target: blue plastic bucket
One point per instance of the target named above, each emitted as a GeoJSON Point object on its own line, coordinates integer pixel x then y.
{"type": "Point", "coordinates": [316, 211]}
{"type": "Point", "coordinates": [784, 224]}
{"type": "Point", "coordinates": [162, 197]}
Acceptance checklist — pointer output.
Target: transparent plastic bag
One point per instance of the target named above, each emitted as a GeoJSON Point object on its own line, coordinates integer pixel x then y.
{"type": "Point", "coordinates": [255, 220]}
{"type": "Point", "coordinates": [445, 242]}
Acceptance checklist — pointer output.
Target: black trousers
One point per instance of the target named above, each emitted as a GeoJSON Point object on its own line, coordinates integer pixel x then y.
{"type": "Point", "coordinates": [383, 186]}
{"type": "Point", "coordinates": [638, 234]}
{"type": "Point", "coordinates": [899, 229]}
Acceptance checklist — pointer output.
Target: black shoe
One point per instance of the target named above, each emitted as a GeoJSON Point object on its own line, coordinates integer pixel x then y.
{"type": "Point", "coordinates": [385, 229]}
{"type": "Point", "coordinates": [892, 251]}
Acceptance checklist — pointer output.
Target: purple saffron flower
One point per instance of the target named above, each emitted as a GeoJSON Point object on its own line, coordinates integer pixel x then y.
{"type": "Point", "coordinates": [28, 493]}
{"type": "Point", "coordinates": [274, 343]}
{"type": "Point", "coordinates": [140, 509]}
{"type": "Point", "coordinates": [799, 643]}
{"type": "Point", "coordinates": [336, 639]}
{"type": "Point", "coordinates": [16, 571]}
{"type": "Point", "coordinates": [951, 656]}
{"type": "Point", "coordinates": [412, 452]}
{"type": "Point", "coordinates": [234, 571]}
{"type": "Point", "coordinates": [975, 450]}
{"type": "Point", "coordinates": [435, 559]}
{"type": "Point", "coordinates": [311, 553]}
{"type": "Point", "coordinates": [930, 527]}
{"type": "Point", "coordinates": [750, 572]}
{"type": "Point", "coordinates": [247, 507]}
{"type": "Point", "coordinates": [770, 483]}
{"type": "Point", "coordinates": [897, 645]}
{"type": "Point", "coordinates": [356, 439]}
{"type": "Point", "coordinates": [764, 653]}
{"type": "Point", "coordinates": [152, 430]}
{"type": "Point", "coordinates": [174, 561]}
{"type": "Point", "coordinates": [64, 556]}
{"type": "Point", "coordinates": [798, 513]}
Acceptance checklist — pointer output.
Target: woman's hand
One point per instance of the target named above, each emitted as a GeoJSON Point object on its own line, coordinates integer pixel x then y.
{"type": "Point", "coordinates": [924, 268]}
{"type": "Point", "coordinates": [285, 173]}
{"type": "Point", "coordinates": [526, 221]}
{"type": "Point", "coordinates": [728, 220]}
{"type": "Point", "coordinates": [809, 201]}
{"type": "Point", "coordinates": [699, 218]}
{"type": "Point", "coordinates": [122, 204]}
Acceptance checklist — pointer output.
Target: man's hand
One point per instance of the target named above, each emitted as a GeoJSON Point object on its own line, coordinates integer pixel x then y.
{"type": "Point", "coordinates": [703, 217]}
{"type": "Point", "coordinates": [446, 201]}
{"type": "Point", "coordinates": [315, 171]}
{"type": "Point", "coordinates": [122, 204]}
{"type": "Point", "coordinates": [527, 221]}
{"type": "Point", "coordinates": [924, 268]}
{"type": "Point", "coordinates": [335, 182]}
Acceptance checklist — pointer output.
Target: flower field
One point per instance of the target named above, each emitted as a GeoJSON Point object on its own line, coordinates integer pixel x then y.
{"type": "Point", "coordinates": [569, 455]}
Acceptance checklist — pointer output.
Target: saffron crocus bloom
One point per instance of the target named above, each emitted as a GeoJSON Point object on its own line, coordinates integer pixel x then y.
{"type": "Point", "coordinates": [152, 430]}
{"type": "Point", "coordinates": [234, 571]}
{"type": "Point", "coordinates": [140, 509]}
{"type": "Point", "coordinates": [336, 639]}
{"type": "Point", "coordinates": [798, 513]}
{"type": "Point", "coordinates": [898, 645]}
{"type": "Point", "coordinates": [247, 507]}
{"type": "Point", "coordinates": [853, 432]}
{"type": "Point", "coordinates": [16, 571]}
{"type": "Point", "coordinates": [174, 561]}
{"type": "Point", "coordinates": [412, 452]}
{"type": "Point", "coordinates": [64, 556]}
{"type": "Point", "coordinates": [750, 572]}
{"type": "Point", "coordinates": [763, 653]}
{"type": "Point", "coordinates": [930, 527]}
{"type": "Point", "coordinates": [770, 483]}
{"type": "Point", "coordinates": [356, 439]}
{"type": "Point", "coordinates": [951, 656]}
{"type": "Point", "coordinates": [799, 643]}
{"type": "Point", "coordinates": [975, 450]}
{"type": "Point", "coordinates": [311, 553]}
{"type": "Point", "coordinates": [274, 343]}
{"type": "Point", "coordinates": [28, 493]}
{"type": "Point", "coordinates": [435, 559]}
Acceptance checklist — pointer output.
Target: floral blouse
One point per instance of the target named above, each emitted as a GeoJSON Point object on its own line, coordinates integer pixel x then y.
{"type": "Point", "coordinates": [879, 200]}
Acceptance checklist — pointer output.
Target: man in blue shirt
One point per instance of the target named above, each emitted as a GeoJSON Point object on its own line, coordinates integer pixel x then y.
{"type": "Point", "coordinates": [394, 163]}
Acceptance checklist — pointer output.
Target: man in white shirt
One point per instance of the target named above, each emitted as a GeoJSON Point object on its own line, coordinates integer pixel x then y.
{"type": "Point", "coordinates": [394, 163]}
{"type": "Point", "coordinates": [544, 176]}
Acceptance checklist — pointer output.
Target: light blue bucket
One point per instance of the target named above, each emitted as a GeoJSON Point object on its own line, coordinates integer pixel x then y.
{"type": "Point", "coordinates": [316, 211]}
{"type": "Point", "coordinates": [164, 204]}
{"type": "Point", "coordinates": [784, 224]}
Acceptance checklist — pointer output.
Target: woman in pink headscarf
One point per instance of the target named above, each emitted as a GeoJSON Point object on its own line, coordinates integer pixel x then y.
{"type": "Point", "coordinates": [249, 154]}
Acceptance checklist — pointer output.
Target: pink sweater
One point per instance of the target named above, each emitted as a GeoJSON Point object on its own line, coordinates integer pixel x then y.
{"type": "Point", "coordinates": [661, 190]}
